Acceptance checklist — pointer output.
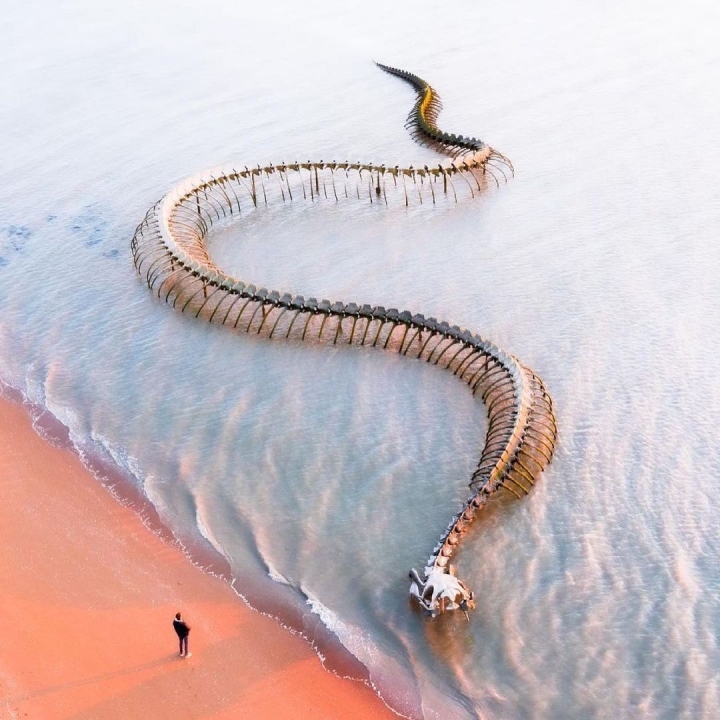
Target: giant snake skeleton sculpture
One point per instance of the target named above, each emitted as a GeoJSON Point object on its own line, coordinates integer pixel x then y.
{"type": "Point", "coordinates": [169, 252]}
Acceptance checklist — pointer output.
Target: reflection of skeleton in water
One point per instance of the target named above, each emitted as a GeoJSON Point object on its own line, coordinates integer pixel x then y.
{"type": "Point", "coordinates": [169, 251]}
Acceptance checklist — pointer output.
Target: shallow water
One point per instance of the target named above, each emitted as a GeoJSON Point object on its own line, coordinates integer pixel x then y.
{"type": "Point", "coordinates": [334, 471]}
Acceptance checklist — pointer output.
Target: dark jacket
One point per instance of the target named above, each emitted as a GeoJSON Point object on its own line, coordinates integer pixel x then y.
{"type": "Point", "coordinates": [181, 628]}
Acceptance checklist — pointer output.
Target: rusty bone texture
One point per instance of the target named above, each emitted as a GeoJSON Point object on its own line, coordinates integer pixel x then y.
{"type": "Point", "coordinates": [170, 255]}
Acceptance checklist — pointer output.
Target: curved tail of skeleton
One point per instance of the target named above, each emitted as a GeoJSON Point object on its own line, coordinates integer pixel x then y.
{"type": "Point", "coordinates": [169, 252]}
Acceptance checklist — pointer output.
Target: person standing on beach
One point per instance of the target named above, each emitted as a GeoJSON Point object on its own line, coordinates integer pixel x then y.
{"type": "Point", "coordinates": [183, 630]}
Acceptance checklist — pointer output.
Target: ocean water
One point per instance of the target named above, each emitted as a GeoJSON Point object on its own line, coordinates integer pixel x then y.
{"type": "Point", "coordinates": [322, 475]}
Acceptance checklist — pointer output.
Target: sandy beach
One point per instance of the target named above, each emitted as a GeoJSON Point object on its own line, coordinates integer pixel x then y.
{"type": "Point", "coordinates": [88, 596]}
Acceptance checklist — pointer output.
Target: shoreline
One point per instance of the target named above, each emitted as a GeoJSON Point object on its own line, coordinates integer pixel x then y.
{"type": "Point", "coordinates": [91, 581]}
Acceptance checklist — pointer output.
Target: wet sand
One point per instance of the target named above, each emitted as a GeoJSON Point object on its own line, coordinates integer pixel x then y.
{"type": "Point", "coordinates": [88, 596]}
